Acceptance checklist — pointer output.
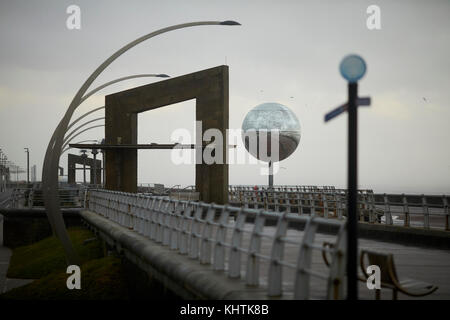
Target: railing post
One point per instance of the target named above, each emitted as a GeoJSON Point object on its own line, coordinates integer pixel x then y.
{"type": "Point", "coordinates": [405, 211]}
{"type": "Point", "coordinates": [161, 214]}
{"type": "Point", "coordinates": [219, 248]}
{"type": "Point", "coordinates": [236, 240]}
{"type": "Point", "coordinates": [312, 205]}
{"type": "Point", "coordinates": [445, 205]}
{"type": "Point", "coordinates": [176, 225]}
{"type": "Point", "coordinates": [426, 214]}
{"type": "Point", "coordinates": [336, 279]}
{"type": "Point", "coordinates": [372, 210]}
{"type": "Point", "coordinates": [325, 205]}
{"type": "Point", "coordinates": [148, 216]}
{"type": "Point", "coordinates": [387, 210]}
{"type": "Point", "coordinates": [205, 245]}
{"type": "Point", "coordinates": [195, 233]}
{"type": "Point", "coordinates": [132, 205]}
{"type": "Point", "coordinates": [183, 245]}
{"type": "Point", "coordinates": [167, 228]}
{"type": "Point", "coordinates": [275, 282]}
{"type": "Point", "coordinates": [302, 277]}
{"type": "Point", "coordinates": [154, 217]}
{"type": "Point", "coordinates": [252, 274]}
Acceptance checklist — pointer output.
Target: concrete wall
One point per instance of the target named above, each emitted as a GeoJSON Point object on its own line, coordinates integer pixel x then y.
{"type": "Point", "coordinates": [26, 226]}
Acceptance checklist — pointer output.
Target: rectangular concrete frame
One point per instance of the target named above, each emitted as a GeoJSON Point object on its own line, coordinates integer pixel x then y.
{"type": "Point", "coordinates": [74, 159]}
{"type": "Point", "coordinates": [209, 88]}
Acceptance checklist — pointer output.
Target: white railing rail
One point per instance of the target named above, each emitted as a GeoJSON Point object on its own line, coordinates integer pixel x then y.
{"type": "Point", "coordinates": [206, 233]}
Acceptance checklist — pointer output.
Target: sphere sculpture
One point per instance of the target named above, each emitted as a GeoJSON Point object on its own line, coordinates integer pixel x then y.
{"type": "Point", "coordinates": [266, 117]}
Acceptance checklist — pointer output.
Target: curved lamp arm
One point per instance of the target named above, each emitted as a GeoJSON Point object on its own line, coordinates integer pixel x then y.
{"type": "Point", "coordinates": [83, 116]}
{"type": "Point", "coordinates": [87, 95]}
{"type": "Point", "coordinates": [80, 126]}
{"type": "Point", "coordinates": [90, 93]}
{"type": "Point", "coordinates": [67, 142]}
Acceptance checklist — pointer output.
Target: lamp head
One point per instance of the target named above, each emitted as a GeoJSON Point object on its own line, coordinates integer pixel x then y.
{"type": "Point", "coordinates": [352, 68]}
{"type": "Point", "coordinates": [230, 23]}
{"type": "Point", "coordinates": [163, 75]}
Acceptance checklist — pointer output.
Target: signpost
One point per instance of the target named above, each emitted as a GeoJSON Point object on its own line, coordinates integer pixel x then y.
{"type": "Point", "coordinates": [352, 68]}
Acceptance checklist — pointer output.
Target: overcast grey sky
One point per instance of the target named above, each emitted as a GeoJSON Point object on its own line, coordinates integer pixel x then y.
{"type": "Point", "coordinates": [285, 51]}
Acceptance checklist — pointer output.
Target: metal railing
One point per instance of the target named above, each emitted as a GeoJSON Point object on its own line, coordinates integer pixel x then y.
{"type": "Point", "coordinates": [33, 198]}
{"type": "Point", "coordinates": [329, 204]}
{"type": "Point", "coordinates": [425, 211]}
{"type": "Point", "coordinates": [248, 244]}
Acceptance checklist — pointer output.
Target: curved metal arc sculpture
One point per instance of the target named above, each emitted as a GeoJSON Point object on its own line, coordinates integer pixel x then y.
{"type": "Point", "coordinates": [93, 127]}
{"type": "Point", "coordinates": [53, 152]}
{"type": "Point", "coordinates": [83, 116]}
{"type": "Point", "coordinates": [90, 93]}
{"type": "Point", "coordinates": [67, 137]}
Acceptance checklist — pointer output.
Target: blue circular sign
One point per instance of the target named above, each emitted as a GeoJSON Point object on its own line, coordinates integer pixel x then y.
{"type": "Point", "coordinates": [352, 68]}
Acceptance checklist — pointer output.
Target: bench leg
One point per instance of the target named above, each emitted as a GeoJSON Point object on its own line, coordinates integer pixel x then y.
{"type": "Point", "coordinates": [394, 294]}
{"type": "Point", "coordinates": [377, 294]}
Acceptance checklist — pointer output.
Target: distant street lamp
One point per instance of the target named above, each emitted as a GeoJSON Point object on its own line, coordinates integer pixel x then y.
{"type": "Point", "coordinates": [28, 165]}
{"type": "Point", "coordinates": [54, 148]}
{"type": "Point", "coordinates": [3, 159]}
{"type": "Point", "coordinates": [84, 156]}
{"type": "Point", "coordinates": [103, 161]}
{"type": "Point", "coordinates": [95, 152]}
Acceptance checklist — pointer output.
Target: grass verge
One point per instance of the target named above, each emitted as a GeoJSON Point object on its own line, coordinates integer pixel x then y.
{"type": "Point", "coordinates": [47, 256]}
{"type": "Point", "coordinates": [101, 277]}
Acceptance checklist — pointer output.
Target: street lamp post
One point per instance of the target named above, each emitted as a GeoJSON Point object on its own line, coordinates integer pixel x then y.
{"type": "Point", "coordinates": [270, 175]}
{"type": "Point", "coordinates": [84, 156]}
{"type": "Point", "coordinates": [95, 152]}
{"type": "Point", "coordinates": [51, 160]}
{"type": "Point", "coordinates": [28, 165]}
{"type": "Point", "coordinates": [2, 170]}
{"type": "Point", "coordinates": [103, 162]}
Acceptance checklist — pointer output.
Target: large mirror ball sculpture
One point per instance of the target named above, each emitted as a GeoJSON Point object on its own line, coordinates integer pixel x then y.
{"type": "Point", "coordinates": [268, 116]}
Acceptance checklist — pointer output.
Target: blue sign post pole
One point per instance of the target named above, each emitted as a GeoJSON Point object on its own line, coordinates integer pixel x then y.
{"type": "Point", "coordinates": [352, 68]}
{"type": "Point", "coordinates": [352, 197]}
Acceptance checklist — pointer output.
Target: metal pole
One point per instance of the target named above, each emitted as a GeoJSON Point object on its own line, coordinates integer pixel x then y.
{"type": "Point", "coordinates": [103, 167]}
{"type": "Point", "coordinates": [28, 165]}
{"type": "Point", "coordinates": [1, 170]}
{"type": "Point", "coordinates": [352, 211]}
{"type": "Point", "coordinates": [94, 152]}
{"type": "Point", "coordinates": [270, 175]}
{"type": "Point", "coordinates": [95, 169]}
{"type": "Point", "coordinates": [84, 171]}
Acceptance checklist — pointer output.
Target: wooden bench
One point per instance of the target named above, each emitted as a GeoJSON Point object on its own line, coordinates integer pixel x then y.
{"type": "Point", "coordinates": [389, 278]}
